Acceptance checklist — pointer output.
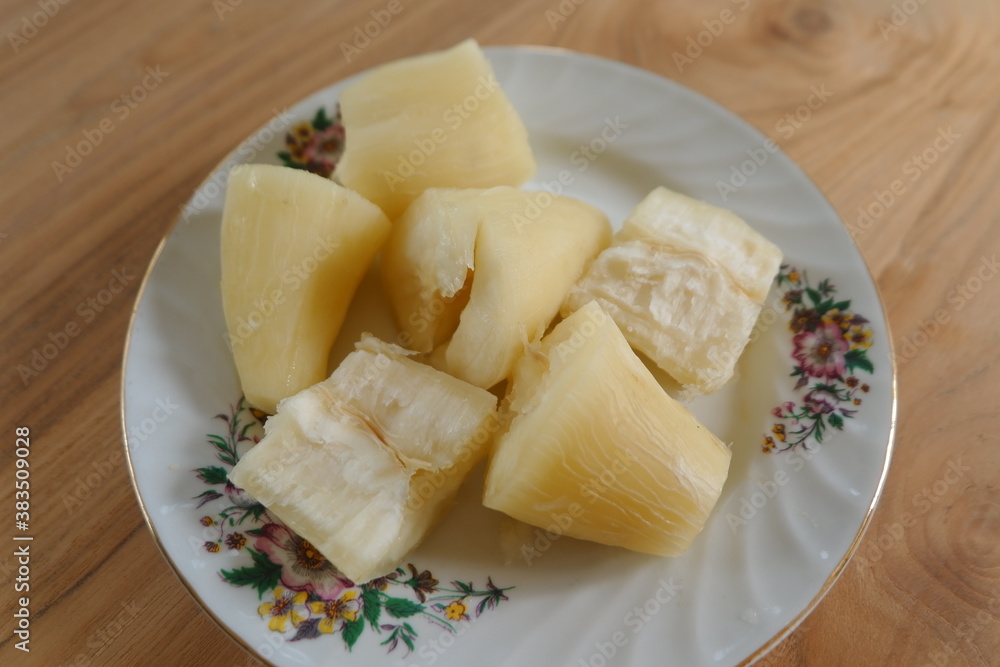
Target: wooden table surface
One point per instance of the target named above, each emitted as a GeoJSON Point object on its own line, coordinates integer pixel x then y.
{"type": "Point", "coordinates": [900, 72]}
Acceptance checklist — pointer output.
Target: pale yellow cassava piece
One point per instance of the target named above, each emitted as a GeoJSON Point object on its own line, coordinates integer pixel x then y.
{"type": "Point", "coordinates": [594, 437]}
{"type": "Point", "coordinates": [364, 463]}
{"type": "Point", "coordinates": [435, 120]}
{"type": "Point", "coordinates": [477, 274]}
{"type": "Point", "coordinates": [685, 281]}
{"type": "Point", "coordinates": [295, 246]}
{"type": "Point", "coordinates": [294, 249]}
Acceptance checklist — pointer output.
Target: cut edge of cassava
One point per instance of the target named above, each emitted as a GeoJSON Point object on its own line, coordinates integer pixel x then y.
{"type": "Point", "coordinates": [593, 437]}
{"type": "Point", "coordinates": [363, 464]}
{"type": "Point", "coordinates": [474, 275]}
{"type": "Point", "coordinates": [686, 282]}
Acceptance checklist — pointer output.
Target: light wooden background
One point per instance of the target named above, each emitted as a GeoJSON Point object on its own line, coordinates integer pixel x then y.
{"type": "Point", "coordinates": [933, 595]}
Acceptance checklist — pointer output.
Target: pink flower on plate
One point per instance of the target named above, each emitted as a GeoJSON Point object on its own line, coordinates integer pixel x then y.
{"type": "Point", "coordinates": [324, 149]}
{"type": "Point", "coordinates": [821, 352]}
{"type": "Point", "coordinates": [786, 409]}
{"type": "Point", "coordinates": [821, 401]}
{"type": "Point", "coordinates": [239, 497]}
{"type": "Point", "coordinates": [303, 567]}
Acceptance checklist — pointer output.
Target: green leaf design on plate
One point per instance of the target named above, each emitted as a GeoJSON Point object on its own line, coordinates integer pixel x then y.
{"type": "Point", "coordinates": [401, 608]}
{"type": "Point", "coordinates": [213, 475]}
{"type": "Point", "coordinates": [321, 121]}
{"type": "Point", "coordinates": [858, 359]}
{"type": "Point", "coordinates": [263, 575]}
{"type": "Point", "coordinates": [352, 630]}
{"type": "Point", "coordinates": [371, 607]}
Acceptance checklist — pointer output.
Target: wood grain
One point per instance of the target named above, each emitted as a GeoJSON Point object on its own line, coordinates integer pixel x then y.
{"type": "Point", "coordinates": [924, 594]}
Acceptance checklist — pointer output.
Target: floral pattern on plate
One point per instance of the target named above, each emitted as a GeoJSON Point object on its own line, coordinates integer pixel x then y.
{"type": "Point", "coordinates": [315, 145]}
{"type": "Point", "coordinates": [830, 345]}
{"type": "Point", "coordinates": [303, 595]}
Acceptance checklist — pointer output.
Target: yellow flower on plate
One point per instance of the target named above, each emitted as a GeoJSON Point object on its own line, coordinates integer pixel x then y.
{"type": "Point", "coordinates": [303, 131]}
{"type": "Point", "coordinates": [860, 337]}
{"type": "Point", "coordinates": [287, 606]}
{"type": "Point", "coordinates": [345, 607]}
{"type": "Point", "coordinates": [455, 611]}
{"type": "Point", "coordinates": [841, 318]}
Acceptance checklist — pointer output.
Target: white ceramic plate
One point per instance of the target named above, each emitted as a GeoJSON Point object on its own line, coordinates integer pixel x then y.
{"type": "Point", "coordinates": [784, 528]}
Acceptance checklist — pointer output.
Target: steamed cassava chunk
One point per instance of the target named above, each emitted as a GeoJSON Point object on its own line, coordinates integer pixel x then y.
{"type": "Point", "coordinates": [593, 436]}
{"type": "Point", "coordinates": [364, 463]}
{"type": "Point", "coordinates": [434, 120]}
{"type": "Point", "coordinates": [685, 281]}
{"type": "Point", "coordinates": [294, 249]}
{"type": "Point", "coordinates": [476, 274]}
